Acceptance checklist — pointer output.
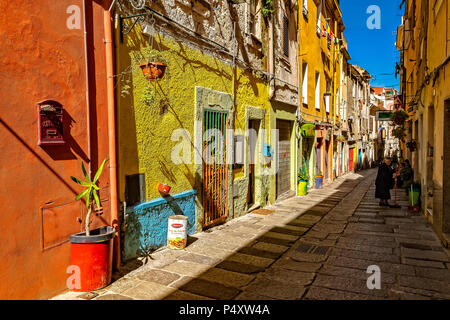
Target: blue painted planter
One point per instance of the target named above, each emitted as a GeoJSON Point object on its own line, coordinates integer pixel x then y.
{"type": "Point", "coordinates": [319, 183]}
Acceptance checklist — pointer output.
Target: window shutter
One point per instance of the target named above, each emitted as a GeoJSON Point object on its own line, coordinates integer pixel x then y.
{"type": "Point", "coordinates": [286, 36]}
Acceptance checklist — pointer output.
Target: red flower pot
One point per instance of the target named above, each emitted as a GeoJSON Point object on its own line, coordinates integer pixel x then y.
{"type": "Point", "coordinates": [153, 70]}
{"type": "Point", "coordinates": [92, 257]}
{"type": "Point", "coordinates": [165, 189]}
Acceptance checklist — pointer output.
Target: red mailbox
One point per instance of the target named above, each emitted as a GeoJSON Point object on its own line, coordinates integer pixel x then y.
{"type": "Point", "coordinates": [50, 123]}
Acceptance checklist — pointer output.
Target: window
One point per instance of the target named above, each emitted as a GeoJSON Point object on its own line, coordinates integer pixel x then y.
{"type": "Point", "coordinates": [319, 16]}
{"type": "Point", "coordinates": [327, 97]}
{"type": "Point", "coordinates": [305, 9]}
{"type": "Point", "coordinates": [305, 82]}
{"type": "Point", "coordinates": [254, 19]}
{"type": "Point", "coordinates": [286, 36]}
{"type": "Point", "coordinates": [317, 90]}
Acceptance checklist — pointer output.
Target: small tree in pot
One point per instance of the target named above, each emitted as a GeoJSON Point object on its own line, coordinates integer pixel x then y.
{"type": "Point", "coordinates": [91, 250]}
{"type": "Point", "coordinates": [90, 193]}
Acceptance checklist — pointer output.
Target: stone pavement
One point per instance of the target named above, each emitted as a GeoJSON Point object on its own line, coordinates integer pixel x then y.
{"type": "Point", "coordinates": [314, 247]}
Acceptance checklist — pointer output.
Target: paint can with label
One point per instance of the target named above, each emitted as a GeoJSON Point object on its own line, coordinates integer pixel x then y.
{"type": "Point", "coordinates": [177, 232]}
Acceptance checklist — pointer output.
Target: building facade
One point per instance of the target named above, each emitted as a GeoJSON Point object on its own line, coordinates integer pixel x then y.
{"type": "Point", "coordinates": [425, 92]}
{"type": "Point", "coordinates": [57, 114]}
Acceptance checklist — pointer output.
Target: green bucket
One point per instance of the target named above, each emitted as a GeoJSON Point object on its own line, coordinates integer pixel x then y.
{"type": "Point", "coordinates": [414, 195]}
{"type": "Point", "coordinates": [302, 188]}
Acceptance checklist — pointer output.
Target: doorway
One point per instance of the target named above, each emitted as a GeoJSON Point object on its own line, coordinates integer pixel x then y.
{"type": "Point", "coordinates": [284, 157]}
{"type": "Point", "coordinates": [319, 155]}
{"type": "Point", "coordinates": [253, 138]}
{"type": "Point", "coordinates": [446, 171]}
{"type": "Point", "coordinates": [350, 159]}
{"type": "Point", "coordinates": [215, 169]}
{"type": "Point", "coordinates": [327, 150]}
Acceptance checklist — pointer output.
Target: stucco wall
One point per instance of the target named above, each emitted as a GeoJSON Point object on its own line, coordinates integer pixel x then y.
{"type": "Point", "coordinates": [147, 223]}
{"type": "Point", "coordinates": [145, 129]}
{"type": "Point", "coordinates": [40, 59]}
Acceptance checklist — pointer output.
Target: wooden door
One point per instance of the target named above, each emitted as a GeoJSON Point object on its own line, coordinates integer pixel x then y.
{"type": "Point", "coordinates": [350, 159]}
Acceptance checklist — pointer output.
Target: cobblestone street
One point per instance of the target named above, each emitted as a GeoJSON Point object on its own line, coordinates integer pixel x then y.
{"type": "Point", "coordinates": [314, 247]}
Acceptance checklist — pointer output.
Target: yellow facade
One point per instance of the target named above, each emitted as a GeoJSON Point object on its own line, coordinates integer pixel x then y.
{"type": "Point", "coordinates": [319, 63]}
{"type": "Point", "coordinates": [426, 92]}
{"type": "Point", "coordinates": [149, 112]}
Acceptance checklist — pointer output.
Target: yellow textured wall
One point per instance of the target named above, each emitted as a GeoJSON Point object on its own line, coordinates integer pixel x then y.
{"type": "Point", "coordinates": [312, 49]}
{"type": "Point", "coordinates": [145, 130]}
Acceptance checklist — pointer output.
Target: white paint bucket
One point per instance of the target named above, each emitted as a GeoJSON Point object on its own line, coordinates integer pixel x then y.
{"type": "Point", "coordinates": [177, 232]}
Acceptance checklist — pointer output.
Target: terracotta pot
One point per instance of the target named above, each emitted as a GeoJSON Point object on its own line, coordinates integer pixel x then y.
{"type": "Point", "coordinates": [164, 189]}
{"type": "Point", "coordinates": [153, 70]}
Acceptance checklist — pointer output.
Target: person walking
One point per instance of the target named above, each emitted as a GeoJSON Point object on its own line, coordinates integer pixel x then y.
{"type": "Point", "coordinates": [384, 182]}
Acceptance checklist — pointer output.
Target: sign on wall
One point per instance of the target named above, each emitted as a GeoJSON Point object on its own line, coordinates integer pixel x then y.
{"type": "Point", "coordinates": [384, 115]}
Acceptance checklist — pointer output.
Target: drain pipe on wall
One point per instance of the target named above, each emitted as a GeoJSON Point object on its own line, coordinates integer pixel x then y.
{"type": "Point", "coordinates": [88, 107]}
{"type": "Point", "coordinates": [112, 135]}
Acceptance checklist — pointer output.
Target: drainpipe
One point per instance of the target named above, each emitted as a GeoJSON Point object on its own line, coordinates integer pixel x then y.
{"type": "Point", "coordinates": [272, 58]}
{"type": "Point", "coordinates": [88, 108]}
{"type": "Point", "coordinates": [112, 135]}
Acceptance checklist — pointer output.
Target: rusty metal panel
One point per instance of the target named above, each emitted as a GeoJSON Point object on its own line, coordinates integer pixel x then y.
{"type": "Point", "coordinates": [284, 157]}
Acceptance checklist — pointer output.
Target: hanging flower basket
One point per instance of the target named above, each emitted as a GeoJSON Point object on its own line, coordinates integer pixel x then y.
{"type": "Point", "coordinates": [399, 133]}
{"type": "Point", "coordinates": [412, 145]}
{"type": "Point", "coordinates": [153, 70]}
{"type": "Point", "coordinates": [308, 130]}
{"type": "Point", "coordinates": [399, 117]}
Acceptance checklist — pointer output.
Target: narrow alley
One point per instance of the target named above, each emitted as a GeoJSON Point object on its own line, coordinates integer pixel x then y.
{"type": "Point", "coordinates": [225, 150]}
{"type": "Point", "coordinates": [314, 247]}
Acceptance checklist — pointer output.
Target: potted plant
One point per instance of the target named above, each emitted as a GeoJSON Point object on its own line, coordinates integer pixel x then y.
{"type": "Point", "coordinates": [412, 145]}
{"type": "Point", "coordinates": [302, 179]}
{"type": "Point", "coordinates": [399, 117]}
{"type": "Point", "coordinates": [319, 180]}
{"type": "Point", "coordinates": [154, 68]}
{"type": "Point", "coordinates": [399, 133]}
{"type": "Point", "coordinates": [91, 250]}
{"type": "Point", "coordinates": [414, 196]}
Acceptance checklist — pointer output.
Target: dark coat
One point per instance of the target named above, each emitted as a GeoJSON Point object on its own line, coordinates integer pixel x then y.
{"type": "Point", "coordinates": [384, 182]}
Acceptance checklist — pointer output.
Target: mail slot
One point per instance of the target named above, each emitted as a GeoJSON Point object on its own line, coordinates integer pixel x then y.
{"type": "Point", "coordinates": [50, 123]}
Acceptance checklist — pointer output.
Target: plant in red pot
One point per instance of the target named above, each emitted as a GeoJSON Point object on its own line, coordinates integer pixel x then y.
{"type": "Point", "coordinates": [155, 67]}
{"type": "Point", "coordinates": [91, 251]}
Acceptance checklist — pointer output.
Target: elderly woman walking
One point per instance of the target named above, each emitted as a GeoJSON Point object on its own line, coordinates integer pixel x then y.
{"type": "Point", "coordinates": [384, 182]}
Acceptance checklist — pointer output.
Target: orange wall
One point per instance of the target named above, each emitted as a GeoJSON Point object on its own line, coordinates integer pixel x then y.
{"type": "Point", "coordinates": [40, 58]}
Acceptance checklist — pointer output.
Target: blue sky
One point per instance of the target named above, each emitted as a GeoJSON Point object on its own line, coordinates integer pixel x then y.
{"type": "Point", "coordinates": [374, 50]}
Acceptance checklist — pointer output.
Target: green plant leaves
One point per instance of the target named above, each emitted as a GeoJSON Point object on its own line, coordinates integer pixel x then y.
{"type": "Point", "coordinates": [99, 171]}
{"type": "Point", "coordinates": [84, 172]}
{"type": "Point", "coordinates": [81, 195]}
{"type": "Point", "coordinates": [91, 186]}
{"type": "Point", "coordinates": [78, 181]}
{"type": "Point", "coordinates": [97, 201]}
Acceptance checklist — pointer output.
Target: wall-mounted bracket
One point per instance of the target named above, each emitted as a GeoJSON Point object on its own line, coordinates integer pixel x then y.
{"type": "Point", "coordinates": [123, 28]}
